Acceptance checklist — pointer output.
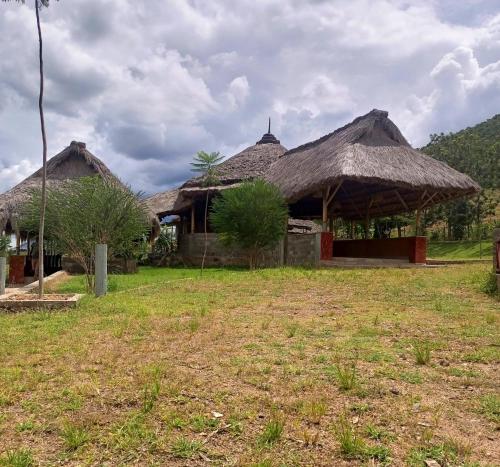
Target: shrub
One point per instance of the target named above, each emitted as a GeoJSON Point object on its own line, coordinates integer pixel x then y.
{"type": "Point", "coordinates": [87, 211]}
{"type": "Point", "coordinates": [422, 352]}
{"type": "Point", "coordinates": [251, 216]}
{"type": "Point", "coordinates": [272, 432]}
{"type": "Point", "coordinates": [345, 373]}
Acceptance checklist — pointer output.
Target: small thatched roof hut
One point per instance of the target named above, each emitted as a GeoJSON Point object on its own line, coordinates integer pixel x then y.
{"type": "Point", "coordinates": [248, 164]}
{"type": "Point", "coordinates": [366, 167]}
{"type": "Point", "coordinates": [74, 161]}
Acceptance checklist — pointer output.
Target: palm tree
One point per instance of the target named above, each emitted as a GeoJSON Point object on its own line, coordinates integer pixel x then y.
{"type": "Point", "coordinates": [206, 164]}
{"type": "Point", "coordinates": [39, 4]}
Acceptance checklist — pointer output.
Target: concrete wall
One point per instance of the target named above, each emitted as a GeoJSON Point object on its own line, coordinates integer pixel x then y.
{"type": "Point", "coordinates": [296, 249]}
{"type": "Point", "coordinates": [302, 250]}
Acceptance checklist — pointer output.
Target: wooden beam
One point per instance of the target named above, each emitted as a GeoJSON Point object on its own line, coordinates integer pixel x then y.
{"type": "Point", "coordinates": [417, 222]}
{"type": "Point", "coordinates": [324, 217]}
{"type": "Point", "coordinates": [429, 199]}
{"type": "Point", "coordinates": [352, 203]}
{"type": "Point", "coordinates": [398, 194]}
{"type": "Point", "coordinates": [332, 195]}
{"type": "Point", "coordinates": [192, 218]}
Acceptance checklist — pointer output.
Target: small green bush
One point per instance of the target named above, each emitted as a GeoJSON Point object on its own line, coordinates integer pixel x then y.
{"type": "Point", "coordinates": [272, 432]}
{"type": "Point", "coordinates": [422, 352]}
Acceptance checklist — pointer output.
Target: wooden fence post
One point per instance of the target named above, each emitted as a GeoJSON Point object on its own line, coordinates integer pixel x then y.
{"type": "Point", "coordinates": [3, 273]}
{"type": "Point", "coordinates": [101, 270]}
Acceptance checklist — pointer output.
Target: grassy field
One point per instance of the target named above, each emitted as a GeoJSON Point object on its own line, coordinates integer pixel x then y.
{"type": "Point", "coordinates": [459, 250]}
{"type": "Point", "coordinates": [269, 368]}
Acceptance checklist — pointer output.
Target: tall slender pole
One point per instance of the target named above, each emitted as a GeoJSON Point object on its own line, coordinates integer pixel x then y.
{"type": "Point", "coordinates": [101, 270]}
{"type": "Point", "coordinates": [44, 165]}
{"type": "Point", "coordinates": [3, 273]}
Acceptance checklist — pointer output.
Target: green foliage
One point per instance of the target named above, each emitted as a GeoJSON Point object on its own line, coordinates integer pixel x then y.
{"type": "Point", "coordinates": [272, 432]}
{"type": "Point", "coordinates": [184, 448]}
{"type": "Point", "coordinates": [206, 163]}
{"type": "Point", "coordinates": [346, 376]}
{"type": "Point", "coordinates": [422, 352]}
{"type": "Point", "coordinates": [17, 458]}
{"type": "Point", "coordinates": [88, 211]}
{"type": "Point", "coordinates": [251, 216]}
{"type": "Point", "coordinates": [476, 152]}
{"type": "Point", "coordinates": [4, 245]}
{"type": "Point", "coordinates": [74, 436]}
{"type": "Point", "coordinates": [166, 244]}
{"type": "Point", "coordinates": [490, 407]}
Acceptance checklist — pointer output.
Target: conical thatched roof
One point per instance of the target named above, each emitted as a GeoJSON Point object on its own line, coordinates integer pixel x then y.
{"type": "Point", "coordinates": [74, 161]}
{"type": "Point", "coordinates": [248, 164]}
{"type": "Point", "coordinates": [376, 165]}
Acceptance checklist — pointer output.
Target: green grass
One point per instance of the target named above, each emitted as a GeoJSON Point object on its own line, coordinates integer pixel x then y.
{"type": "Point", "coordinates": [460, 250]}
{"type": "Point", "coordinates": [251, 368]}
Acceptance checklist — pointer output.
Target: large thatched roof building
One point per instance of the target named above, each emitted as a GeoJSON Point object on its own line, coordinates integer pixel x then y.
{"type": "Point", "coordinates": [361, 171]}
{"type": "Point", "coordinates": [74, 161]}
{"type": "Point", "coordinates": [364, 168]}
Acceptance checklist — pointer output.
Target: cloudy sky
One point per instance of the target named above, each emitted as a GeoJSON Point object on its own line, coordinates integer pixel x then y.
{"type": "Point", "coordinates": [148, 83]}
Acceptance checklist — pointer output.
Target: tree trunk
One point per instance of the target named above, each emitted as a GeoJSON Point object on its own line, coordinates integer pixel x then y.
{"type": "Point", "coordinates": [44, 158]}
{"type": "Point", "coordinates": [206, 236]}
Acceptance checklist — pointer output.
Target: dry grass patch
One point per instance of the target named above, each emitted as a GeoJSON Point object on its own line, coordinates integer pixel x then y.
{"type": "Point", "coordinates": [264, 368]}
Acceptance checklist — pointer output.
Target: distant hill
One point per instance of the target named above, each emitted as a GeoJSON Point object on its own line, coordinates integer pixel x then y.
{"type": "Point", "coordinates": [474, 151]}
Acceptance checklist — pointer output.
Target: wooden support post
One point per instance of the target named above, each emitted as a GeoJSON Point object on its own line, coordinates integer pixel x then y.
{"type": "Point", "coordinates": [18, 242]}
{"type": "Point", "coordinates": [325, 210]}
{"type": "Point", "coordinates": [193, 226]}
{"type": "Point", "coordinates": [417, 222]}
{"type": "Point", "coordinates": [101, 270]}
{"type": "Point", "coordinates": [3, 274]}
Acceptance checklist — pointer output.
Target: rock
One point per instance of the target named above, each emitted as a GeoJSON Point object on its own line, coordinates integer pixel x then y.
{"type": "Point", "coordinates": [395, 391]}
{"type": "Point", "coordinates": [217, 414]}
{"type": "Point", "coordinates": [431, 463]}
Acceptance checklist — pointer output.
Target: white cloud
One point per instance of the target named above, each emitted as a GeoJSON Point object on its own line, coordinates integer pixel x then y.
{"type": "Point", "coordinates": [147, 84]}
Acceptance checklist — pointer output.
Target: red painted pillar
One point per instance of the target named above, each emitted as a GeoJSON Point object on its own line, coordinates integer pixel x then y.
{"type": "Point", "coordinates": [16, 269]}
{"type": "Point", "coordinates": [418, 250]}
{"type": "Point", "coordinates": [326, 245]}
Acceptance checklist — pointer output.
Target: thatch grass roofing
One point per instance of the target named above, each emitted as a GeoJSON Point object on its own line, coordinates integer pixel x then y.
{"type": "Point", "coordinates": [74, 161]}
{"type": "Point", "coordinates": [248, 164]}
{"type": "Point", "coordinates": [369, 152]}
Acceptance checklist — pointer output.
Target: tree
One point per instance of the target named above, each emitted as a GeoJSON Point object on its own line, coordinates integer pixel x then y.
{"type": "Point", "coordinates": [41, 229]}
{"type": "Point", "coordinates": [87, 211]}
{"type": "Point", "coordinates": [251, 216]}
{"type": "Point", "coordinates": [206, 164]}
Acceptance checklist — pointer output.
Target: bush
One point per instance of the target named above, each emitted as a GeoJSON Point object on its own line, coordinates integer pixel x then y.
{"type": "Point", "coordinates": [87, 211]}
{"type": "Point", "coordinates": [251, 216]}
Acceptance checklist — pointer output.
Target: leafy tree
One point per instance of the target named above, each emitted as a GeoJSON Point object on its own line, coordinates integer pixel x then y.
{"type": "Point", "coordinates": [206, 164]}
{"type": "Point", "coordinates": [4, 245]}
{"type": "Point", "coordinates": [87, 211]}
{"type": "Point", "coordinates": [41, 228]}
{"type": "Point", "coordinates": [476, 152]}
{"type": "Point", "coordinates": [251, 216]}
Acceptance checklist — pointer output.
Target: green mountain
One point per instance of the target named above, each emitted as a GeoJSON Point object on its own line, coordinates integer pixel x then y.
{"type": "Point", "coordinates": [474, 151]}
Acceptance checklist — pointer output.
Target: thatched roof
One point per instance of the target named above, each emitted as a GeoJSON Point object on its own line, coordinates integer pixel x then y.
{"type": "Point", "coordinates": [74, 161]}
{"type": "Point", "coordinates": [167, 202]}
{"type": "Point", "coordinates": [373, 160]}
{"type": "Point", "coordinates": [248, 164]}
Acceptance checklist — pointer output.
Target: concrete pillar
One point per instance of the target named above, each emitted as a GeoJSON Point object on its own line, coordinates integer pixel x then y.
{"type": "Point", "coordinates": [3, 273]}
{"type": "Point", "coordinates": [101, 270]}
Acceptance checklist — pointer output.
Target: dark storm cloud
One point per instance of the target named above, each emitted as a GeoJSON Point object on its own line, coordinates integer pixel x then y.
{"type": "Point", "coordinates": [148, 84]}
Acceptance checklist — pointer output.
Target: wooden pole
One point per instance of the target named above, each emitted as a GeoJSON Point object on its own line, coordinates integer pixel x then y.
{"type": "Point", "coordinates": [192, 218]}
{"type": "Point", "coordinates": [18, 242]}
{"type": "Point", "coordinates": [325, 210]}
{"type": "Point", "coordinates": [101, 270]}
{"type": "Point", "coordinates": [3, 273]}
{"type": "Point", "coordinates": [417, 222]}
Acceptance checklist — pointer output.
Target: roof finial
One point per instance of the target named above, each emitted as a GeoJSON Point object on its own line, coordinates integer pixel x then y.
{"type": "Point", "coordinates": [269, 128]}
